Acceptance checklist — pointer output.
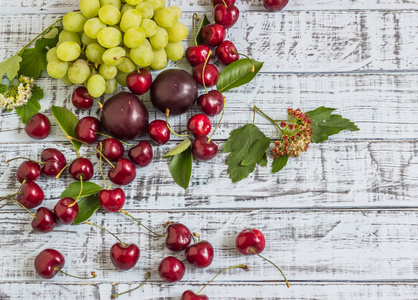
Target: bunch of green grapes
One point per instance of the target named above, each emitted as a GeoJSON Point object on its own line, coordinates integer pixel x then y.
{"type": "Point", "coordinates": [101, 45]}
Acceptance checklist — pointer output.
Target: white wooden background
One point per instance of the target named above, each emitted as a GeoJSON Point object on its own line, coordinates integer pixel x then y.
{"type": "Point", "coordinates": [341, 220]}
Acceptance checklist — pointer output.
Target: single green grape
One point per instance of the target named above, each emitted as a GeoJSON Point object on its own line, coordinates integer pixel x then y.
{"type": "Point", "coordinates": [93, 26]}
{"type": "Point", "coordinates": [68, 51]}
{"type": "Point", "coordinates": [115, 3]}
{"type": "Point", "coordinates": [51, 54]}
{"type": "Point", "coordinates": [159, 61]}
{"type": "Point", "coordinates": [89, 8]}
{"type": "Point", "coordinates": [109, 15]}
{"type": "Point", "coordinates": [143, 55]}
{"type": "Point", "coordinates": [149, 26]}
{"type": "Point", "coordinates": [111, 86]}
{"type": "Point", "coordinates": [94, 52]}
{"type": "Point", "coordinates": [146, 10]}
{"type": "Point", "coordinates": [131, 18]}
{"type": "Point", "coordinates": [160, 39]}
{"type": "Point", "coordinates": [125, 8]}
{"type": "Point", "coordinates": [134, 37]}
{"type": "Point", "coordinates": [74, 21]}
{"type": "Point", "coordinates": [126, 66]}
{"type": "Point", "coordinates": [165, 17]}
{"type": "Point", "coordinates": [108, 72]}
{"type": "Point", "coordinates": [96, 85]}
{"type": "Point", "coordinates": [66, 81]}
{"type": "Point", "coordinates": [176, 10]}
{"type": "Point", "coordinates": [79, 71]}
{"type": "Point", "coordinates": [175, 51]}
{"type": "Point", "coordinates": [57, 68]}
{"type": "Point", "coordinates": [109, 37]}
{"type": "Point", "coordinates": [86, 40]}
{"type": "Point", "coordinates": [133, 2]}
{"type": "Point", "coordinates": [113, 56]}
{"type": "Point", "coordinates": [177, 33]}
{"type": "Point", "coordinates": [121, 78]}
{"type": "Point", "coordinates": [156, 4]}
{"type": "Point", "coordinates": [68, 36]}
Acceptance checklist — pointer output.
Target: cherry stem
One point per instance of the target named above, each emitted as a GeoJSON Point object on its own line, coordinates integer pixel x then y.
{"type": "Point", "coordinates": [11, 195]}
{"type": "Point", "coordinates": [219, 123]}
{"type": "Point", "coordinates": [204, 68]}
{"type": "Point", "coordinates": [213, 12]}
{"type": "Point", "coordinates": [93, 274]}
{"type": "Point", "coordinates": [167, 113]}
{"type": "Point", "coordinates": [111, 137]}
{"type": "Point", "coordinates": [10, 200]}
{"type": "Point", "coordinates": [196, 235]}
{"type": "Point", "coordinates": [245, 267]}
{"type": "Point", "coordinates": [101, 169]}
{"type": "Point", "coordinates": [266, 116]}
{"type": "Point", "coordinates": [224, 3]}
{"type": "Point", "coordinates": [194, 240]}
{"type": "Point", "coordinates": [251, 61]}
{"type": "Point", "coordinates": [62, 170]}
{"type": "Point", "coordinates": [20, 157]}
{"type": "Point", "coordinates": [100, 105]}
{"type": "Point", "coordinates": [120, 241]}
{"type": "Point", "coordinates": [79, 194]}
{"type": "Point", "coordinates": [195, 18]}
{"type": "Point", "coordinates": [147, 276]}
{"type": "Point", "coordinates": [285, 279]}
{"type": "Point", "coordinates": [136, 220]}
{"type": "Point", "coordinates": [167, 223]}
{"type": "Point", "coordinates": [23, 207]}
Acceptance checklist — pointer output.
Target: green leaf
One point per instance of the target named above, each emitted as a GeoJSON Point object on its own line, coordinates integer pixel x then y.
{"type": "Point", "coordinates": [181, 167]}
{"type": "Point", "coordinates": [3, 88]}
{"type": "Point", "coordinates": [33, 63]}
{"type": "Point", "coordinates": [239, 144]}
{"type": "Point", "coordinates": [324, 123]}
{"type": "Point", "coordinates": [256, 152]}
{"type": "Point", "coordinates": [32, 107]}
{"type": "Point", "coordinates": [205, 21]}
{"type": "Point", "coordinates": [179, 148]}
{"type": "Point", "coordinates": [10, 67]}
{"type": "Point", "coordinates": [89, 189]}
{"type": "Point", "coordinates": [86, 208]}
{"type": "Point", "coordinates": [49, 40]}
{"type": "Point", "coordinates": [238, 73]}
{"type": "Point", "coordinates": [263, 160]}
{"type": "Point", "coordinates": [67, 121]}
{"type": "Point", "coordinates": [279, 163]}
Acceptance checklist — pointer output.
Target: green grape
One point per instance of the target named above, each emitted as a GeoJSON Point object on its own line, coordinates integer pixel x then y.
{"type": "Point", "coordinates": [74, 21]}
{"type": "Point", "coordinates": [57, 68]}
{"type": "Point", "coordinates": [133, 2]}
{"type": "Point", "coordinates": [121, 78]}
{"type": "Point", "coordinates": [94, 52]}
{"type": "Point", "coordinates": [86, 40]}
{"type": "Point", "coordinates": [125, 8]}
{"type": "Point", "coordinates": [160, 39]}
{"type": "Point", "coordinates": [108, 72]}
{"type": "Point", "coordinates": [176, 10]}
{"type": "Point", "coordinates": [93, 26]}
{"type": "Point", "coordinates": [112, 53]}
{"type": "Point", "coordinates": [66, 81]}
{"type": "Point", "coordinates": [111, 86]}
{"type": "Point", "coordinates": [115, 3]}
{"type": "Point", "coordinates": [51, 54]}
{"type": "Point", "coordinates": [156, 4]}
{"type": "Point", "coordinates": [131, 18]}
{"type": "Point", "coordinates": [109, 15]}
{"type": "Point", "coordinates": [146, 10]}
{"type": "Point", "coordinates": [89, 8]}
{"type": "Point", "coordinates": [134, 37]}
{"type": "Point", "coordinates": [142, 56]}
{"type": "Point", "coordinates": [79, 71]}
{"type": "Point", "coordinates": [165, 17]}
{"type": "Point", "coordinates": [68, 36]}
{"type": "Point", "coordinates": [149, 26]}
{"type": "Point", "coordinates": [109, 37]}
{"type": "Point", "coordinates": [68, 51]}
{"type": "Point", "coordinates": [177, 33]}
{"type": "Point", "coordinates": [159, 61]}
{"type": "Point", "coordinates": [175, 51]}
{"type": "Point", "coordinates": [126, 66]}
{"type": "Point", "coordinates": [96, 85]}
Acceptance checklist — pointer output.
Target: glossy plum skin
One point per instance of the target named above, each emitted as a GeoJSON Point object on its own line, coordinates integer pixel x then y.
{"type": "Point", "coordinates": [81, 167]}
{"type": "Point", "coordinates": [211, 74]}
{"type": "Point", "coordinates": [226, 15]}
{"type": "Point", "coordinates": [275, 5]}
{"type": "Point", "coordinates": [65, 214]}
{"type": "Point", "coordinates": [32, 195]}
{"type": "Point", "coordinates": [171, 269]}
{"type": "Point", "coordinates": [81, 98]}
{"type": "Point", "coordinates": [29, 171]}
{"type": "Point", "coordinates": [178, 238]}
{"type": "Point", "coordinates": [112, 200]}
{"type": "Point", "coordinates": [190, 295]}
{"type": "Point", "coordinates": [250, 239]}
{"type": "Point", "coordinates": [53, 161]}
{"type": "Point", "coordinates": [199, 125]}
{"type": "Point", "coordinates": [213, 34]}
{"type": "Point", "coordinates": [87, 128]}
{"type": "Point", "coordinates": [200, 255]}
{"type": "Point", "coordinates": [196, 55]}
{"type": "Point", "coordinates": [123, 173]}
{"type": "Point", "coordinates": [46, 262]}
{"type": "Point", "coordinates": [45, 220]}
{"type": "Point", "coordinates": [141, 154]}
{"type": "Point", "coordinates": [124, 257]}
{"type": "Point", "coordinates": [38, 127]}
{"type": "Point", "coordinates": [202, 150]}
{"type": "Point", "coordinates": [112, 149]}
{"type": "Point", "coordinates": [158, 132]}
{"type": "Point", "coordinates": [227, 52]}
{"type": "Point", "coordinates": [211, 103]}
{"type": "Point", "coordinates": [139, 82]}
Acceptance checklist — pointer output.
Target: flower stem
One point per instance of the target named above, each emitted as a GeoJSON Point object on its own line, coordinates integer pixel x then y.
{"type": "Point", "coordinates": [136, 220]}
{"type": "Point", "coordinates": [111, 137]}
{"type": "Point", "coordinates": [93, 274]}
{"type": "Point", "coordinates": [120, 241]}
{"type": "Point", "coordinates": [219, 123]}
{"type": "Point", "coordinates": [147, 276]}
{"type": "Point", "coordinates": [267, 117]}
{"type": "Point", "coordinates": [195, 18]}
{"type": "Point", "coordinates": [285, 279]}
{"type": "Point", "coordinates": [204, 68]}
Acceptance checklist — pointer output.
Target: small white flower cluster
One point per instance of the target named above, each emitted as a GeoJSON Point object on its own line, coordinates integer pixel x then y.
{"type": "Point", "coordinates": [17, 95]}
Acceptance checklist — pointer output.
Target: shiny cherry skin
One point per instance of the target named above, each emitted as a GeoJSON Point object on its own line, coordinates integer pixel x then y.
{"type": "Point", "coordinates": [178, 238]}
{"type": "Point", "coordinates": [29, 171]}
{"type": "Point", "coordinates": [199, 125]}
{"type": "Point", "coordinates": [38, 127]}
{"type": "Point", "coordinates": [53, 161]}
{"type": "Point", "coordinates": [227, 2]}
{"type": "Point", "coordinates": [112, 200]}
{"type": "Point", "coordinates": [200, 255]}
{"type": "Point", "coordinates": [226, 15]}
{"type": "Point", "coordinates": [158, 132]}
{"type": "Point", "coordinates": [202, 150]}
{"type": "Point", "coordinates": [211, 74]}
{"type": "Point", "coordinates": [211, 103]}
{"type": "Point", "coordinates": [45, 220]}
{"type": "Point", "coordinates": [141, 154]}
{"type": "Point", "coordinates": [81, 98]}
{"type": "Point", "coordinates": [250, 239]}
{"type": "Point", "coordinates": [64, 213]}
{"type": "Point", "coordinates": [123, 173]}
{"type": "Point", "coordinates": [213, 34]}
{"type": "Point", "coordinates": [227, 52]}
{"type": "Point", "coordinates": [190, 295]}
{"type": "Point", "coordinates": [139, 82]}
{"type": "Point", "coordinates": [171, 269]}
{"type": "Point", "coordinates": [112, 149]}
{"type": "Point", "coordinates": [196, 55]}
{"type": "Point", "coordinates": [275, 5]}
{"type": "Point", "coordinates": [81, 167]}
{"type": "Point", "coordinates": [46, 262]}
{"type": "Point", "coordinates": [87, 128]}
{"type": "Point", "coordinates": [32, 195]}
{"type": "Point", "coordinates": [124, 257]}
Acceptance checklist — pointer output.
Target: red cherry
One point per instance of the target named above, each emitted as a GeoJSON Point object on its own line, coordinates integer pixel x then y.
{"type": "Point", "coordinates": [139, 82]}
{"type": "Point", "coordinates": [211, 103]}
{"type": "Point", "coordinates": [227, 52]}
{"type": "Point", "coordinates": [250, 239]}
{"type": "Point", "coordinates": [47, 261]}
{"type": "Point", "coordinates": [189, 295]}
{"type": "Point", "coordinates": [199, 125]}
{"type": "Point", "coordinates": [81, 98]}
{"type": "Point", "coordinates": [275, 5]}
{"type": "Point", "coordinates": [31, 196]}
{"type": "Point", "coordinates": [112, 200]}
{"type": "Point", "coordinates": [178, 238]}
{"type": "Point", "coordinates": [45, 220]}
{"type": "Point", "coordinates": [226, 15]}
{"type": "Point", "coordinates": [227, 2]}
{"type": "Point", "coordinates": [213, 34]}
{"type": "Point", "coordinates": [53, 161]}
{"type": "Point", "coordinates": [171, 269]}
{"type": "Point", "coordinates": [87, 128]}
{"type": "Point", "coordinates": [196, 55]}
{"type": "Point", "coordinates": [124, 257]}
{"type": "Point", "coordinates": [211, 74]}
{"type": "Point", "coordinates": [203, 150]}
{"type": "Point", "coordinates": [81, 167]}
{"type": "Point", "coordinates": [141, 154]}
{"type": "Point", "coordinates": [200, 255]}
{"type": "Point", "coordinates": [38, 127]}
{"type": "Point", "coordinates": [158, 132]}
{"type": "Point", "coordinates": [112, 149]}
{"type": "Point", "coordinates": [29, 171]}
{"type": "Point", "coordinates": [65, 213]}
{"type": "Point", "coordinates": [123, 173]}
